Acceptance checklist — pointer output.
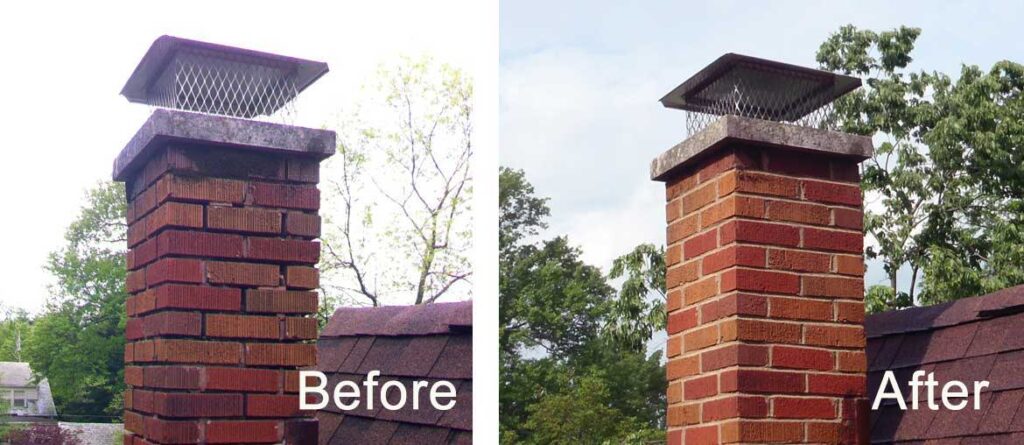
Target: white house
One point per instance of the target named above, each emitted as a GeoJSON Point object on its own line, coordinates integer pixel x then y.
{"type": "Point", "coordinates": [21, 395]}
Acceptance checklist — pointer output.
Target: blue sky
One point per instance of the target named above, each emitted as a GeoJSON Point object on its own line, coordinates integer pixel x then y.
{"type": "Point", "coordinates": [580, 82]}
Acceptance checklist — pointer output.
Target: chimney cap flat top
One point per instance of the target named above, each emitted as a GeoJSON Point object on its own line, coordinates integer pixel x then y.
{"type": "Point", "coordinates": [144, 84]}
{"type": "Point", "coordinates": [760, 88]}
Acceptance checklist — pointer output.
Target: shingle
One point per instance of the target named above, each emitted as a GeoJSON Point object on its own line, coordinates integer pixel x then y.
{"type": "Point", "coordinates": [989, 338]}
{"type": "Point", "coordinates": [1000, 413]}
{"type": "Point", "coordinates": [419, 356]}
{"type": "Point", "coordinates": [425, 415]}
{"type": "Point", "coordinates": [1007, 372]}
{"type": "Point", "coordinates": [962, 423]}
{"type": "Point", "coordinates": [882, 358]}
{"type": "Point", "coordinates": [965, 370]}
{"type": "Point", "coordinates": [384, 351]}
{"type": "Point", "coordinates": [456, 361]}
{"type": "Point", "coordinates": [363, 431]}
{"type": "Point", "coordinates": [460, 417]}
{"type": "Point", "coordinates": [419, 435]}
{"type": "Point", "coordinates": [357, 354]}
{"type": "Point", "coordinates": [914, 424]}
{"type": "Point", "coordinates": [949, 343]}
{"type": "Point", "coordinates": [328, 424]}
{"type": "Point", "coordinates": [331, 352]}
{"type": "Point", "coordinates": [460, 438]}
{"type": "Point", "coordinates": [912, 350]}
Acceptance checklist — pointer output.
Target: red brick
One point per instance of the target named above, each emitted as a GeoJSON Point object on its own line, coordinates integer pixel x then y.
{"type": "Point", "coordinates": [852, 361]}
{"type": "Point", "coordinates": [848, 218]}
{"type": "Point", "coordinates": [280, 302]}
{"type": "Point", "coordinates": [700, 387]}
{"type": "Point", "coordinates": [173, 214]}
{"type": "Point", "coordinates": [733, 256]}
{"type": "Point", "coordinates": [172, 323]}
{"type": "Point", "coordinates": [767, 331]}
{"type": "Point", "coordinates": [762, 381]}
{"type": "Point", "coordinates": [799, 212]}
{"type": "Point", "coordinates": [232, 431]}
{"type": "Point", "coordinates": [136, 233]}
{"type": "Point", "coordinates": [303, 170]}
{"type": "Point", "coordinates": [736, 354]}
{"type": "Point", "coordinates": [760, 233]}
{"type": "Point", "coordinates": [760, 281]}
{"type": "Point", "coordinates": [683, 414]}
{"type": "Point", "coordinates": [850, 311]}
{"type": "Point", "coordinates": [284, 250]}
{"type": "Point", "coordinates": [803, 408]}
{"type": "Point", "coordinates": [701, 435]}
{"type": "Point", "coordinates": [839, 385]}
{"type": "Point", "coordinates": [165, 431]}
{"type": "Point", "coordinates": [197, 405]}
{"type": "Point", "coordinates": [302, 224]}
{"type": "Point", "coordinates": [133, 375]}
{"type": "Point", "coordinates": [678, 185]}
{"type": "Point", "coordinates": [732, 206]}
{"type": "Point", "coordinates": [700, 244]}
{"type": "Point", "coordinates": [700, 338]}
{"type": "Point", "coordinates": [144, 203]}
{"type": "Point", "coordinates": [285, 196]}
{"type": "Point", "coordinates": [190, 188]}
{"type": "Point", "coordinates": [797, 309]}
{"type": "Point", "coordinates": [835, 336]}
{"type": "Point", "coordinates": [850, 265]}
{"type": "Point", "coordinates": [682, 367]}
{"type": "Point", "coordinates": [723, 161]}
{"type": "Point", "coordinates": [135, 281]}
{"type": "Point", "coordinates": [802, 358]}
{"type": "Point", "coordinates": [242, 326]}
{"type": "Point", "coordinates": [134, 422]}
{"type": "Point", "coordinates": [832, 193]}
{"type": "Point", "coordinates": [833, 286]}
{"type": "Point", "coordinates": [280, 354]}
{"type": "Point", "coordinates": [673, 210]}
{"type": "Point", "coordinates": [192, 351]}
{"type": "Point", "coordinates": [302, 277]}
{"type": "Point", "coordinates": [143, 351]}
{"type": "Point", "coordinates": [300, 328]}
{"type": "Point", "coordinates": [177, 296]}
{"type": "Point", "coordinates": [243, 274]}
{"type": "Point", "coordinates": [172, 377]}
{"type": "Point", "coordinates": [799, 261]}
{"type": "Point", "coordinates": [673, 299]}
{"type": "Point", "coordinates": [680, 321]}
{"type": "Point", "coordinates": [734, 304]}
{"type": "Point", "coordinates": [848, 171]}
{"type": "Point", "coordinates": [673, 346]}
{"type": "Point", "coordinates": [734, 407]}
{"type": "Point", "coordinates": [701, 290]}
{"type": "Point", "coordinates": [682, 229]}
{"type": "Point", "coordinates": [833, 240]}
{"type": "Point", "coordinates": [241, 379]}
{"type": "Point", "coordinates": [267, 405]}
{"type": "Point", "coordinates": [145, 253]}
{"type": "Point", "coordinates": [247, 220]}
{"type": "Point", "coordinates": [211, 245]}
{"type": "Point", "coordinates": [699, 198]}
{"type": "Point", "coordinates": [685, 273]}
{"type": "Point", "coordinates": [762, 184]}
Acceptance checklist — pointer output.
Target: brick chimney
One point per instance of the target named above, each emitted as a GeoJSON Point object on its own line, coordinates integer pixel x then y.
{"type": "Point", "coordinates": [765, 268]}
{"type": "Point", "coordinates": [222, 214]}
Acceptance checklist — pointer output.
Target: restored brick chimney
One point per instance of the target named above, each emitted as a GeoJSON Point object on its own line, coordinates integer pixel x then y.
{"type": "Point", "coordinates": [222, 214]}
{"type": "Point", "coordinates": [765, 268]}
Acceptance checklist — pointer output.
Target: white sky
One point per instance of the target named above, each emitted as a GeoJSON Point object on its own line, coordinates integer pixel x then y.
{"type": "Point", "coordinates": [580, 83]}
{"type": "Point", "coordinates": [63, 65]}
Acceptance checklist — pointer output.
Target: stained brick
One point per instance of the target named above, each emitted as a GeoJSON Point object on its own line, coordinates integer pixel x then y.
{"type": "Point", "coordinates": [285, 196]}
{"type": "Point", "coordinates": [173, 214]}
{"type": "Point", "coordinates": [145, 253]}
{"type": "Point", "coordinates": [193, 351]}
{"type": "Point", "coordinates": [172, 323]}
{"type": "Point", "coordinates": [274, 249]}
{"type": "Point", "coordinates": [209, 245]}
{"type": "Point", "coordinates": [763, 184]}
{"type": "Point", "coordinates": [794, 163]}
{"type": "Point", "coordinates": [300, 328]}
{"type": "Point", "coordinates": [242, 326]}
{"type": "Point", "coordinates": [247, 220]}
{"type": "Point", "coordinates": [177, 296]}
{"type": "Point", "coordinates": [798, 212]}
{"type": "Point", "coordinates": [763, 381]}
{"type": "Point", "coordinates": [197, 405]}
{"type": "Point", "coordinates": [172, 377]}
{"type": "Point", "coordinates": [243, 274]}
{"type": "Point", "coordinates": [231, 431]}
{"type": "Point", "coordinates": [241, 379]}
{"type": "Point", "coordinates": [833, 384]}
{"type": "Point", "coordinates": [302, 224]}
{"type": "Point", "coordinates": [267, 405]}
{"type": "Point", "coordinates": [280, 354]}
{"type": "Point", "coordinates": [202, 189]}
{"type": "Point", "coordinates": [802, 358]}
{"type": "Point", "coordinates": [302, 277]}
{"type": "Point", "coordinates": [280, 302]}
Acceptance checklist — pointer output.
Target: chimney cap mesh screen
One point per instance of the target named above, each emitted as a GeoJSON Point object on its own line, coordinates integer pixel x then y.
{"type": "Point", "coordinates": [216, 79]}
{"type": "Point", "coordinates": [747, 86]}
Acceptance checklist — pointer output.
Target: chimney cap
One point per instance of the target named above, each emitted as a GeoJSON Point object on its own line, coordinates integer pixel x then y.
{"type": "Point", "coordinates": [218, 79]}
{"type": "Point", "coordinates": [759, 88]}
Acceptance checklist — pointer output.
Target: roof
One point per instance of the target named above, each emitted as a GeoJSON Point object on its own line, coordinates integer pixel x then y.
{"type": "Point", "coordinates": [19, 375]}
{"type": "Point", "coordinates": [405, 343]}
{"type": "Point", "coordinates": [15, 374]}
{"type": "Point", "coordinates": [972, 339]}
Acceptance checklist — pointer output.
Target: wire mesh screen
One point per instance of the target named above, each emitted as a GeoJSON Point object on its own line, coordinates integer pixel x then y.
{"type": "Point", "coordinates": [762, 92]}
{"type": "Point", "coordinates": [231, 86]}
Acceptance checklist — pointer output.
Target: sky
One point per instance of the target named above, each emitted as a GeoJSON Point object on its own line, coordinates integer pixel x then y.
{"type": "Point", "coordinates": [580, 83]}
{"type": "Point", "coordinates": [63, 120]}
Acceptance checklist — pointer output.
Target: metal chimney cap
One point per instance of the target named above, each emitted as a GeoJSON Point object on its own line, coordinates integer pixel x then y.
{"type": "Point", "coordinates": [218, 79]}
{"type": "Point", "coordinates": [759, 88]}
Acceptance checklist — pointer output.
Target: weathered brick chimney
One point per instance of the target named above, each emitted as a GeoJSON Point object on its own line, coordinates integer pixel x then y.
{"type": "Point", "coordinates": [765, 268]}
{"type": "Point", "coordinates": [222, 214]}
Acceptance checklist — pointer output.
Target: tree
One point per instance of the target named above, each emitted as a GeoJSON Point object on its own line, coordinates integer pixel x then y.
{"type": "Point", "coordinates": [948, 178]}
{"type": "Point", "coordinates": [563, 378]}
{"type": "Point", "coordinates": [78, 342]}
{"type": "Point", "coordinates": [400, 188]}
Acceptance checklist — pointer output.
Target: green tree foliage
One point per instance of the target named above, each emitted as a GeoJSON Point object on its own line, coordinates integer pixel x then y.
{"type": "Point", "coordinates": [949, 176]}
{"type": "Point", "coordinates": [563, 379]}
{"type": "Point", "coordinates": [78, 342]}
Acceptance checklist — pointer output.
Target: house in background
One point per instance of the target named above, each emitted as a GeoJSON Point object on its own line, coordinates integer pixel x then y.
{"type": "Point", "coordinates": [22, 396]}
